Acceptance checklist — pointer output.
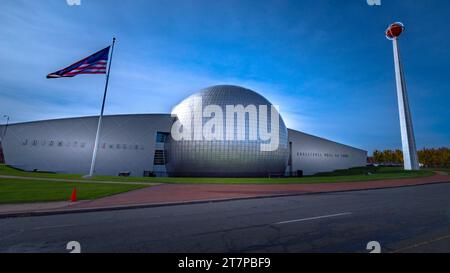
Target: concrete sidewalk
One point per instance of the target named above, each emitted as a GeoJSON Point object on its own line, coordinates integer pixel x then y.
{"type": "Point", "coordinates": [172, 194]}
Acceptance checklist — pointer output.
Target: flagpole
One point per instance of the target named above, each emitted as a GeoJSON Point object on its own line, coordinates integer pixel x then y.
{"type": "Point", "coordinates": [99, 126]}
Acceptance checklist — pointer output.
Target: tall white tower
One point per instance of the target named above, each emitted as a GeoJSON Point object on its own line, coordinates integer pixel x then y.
{"type": "Point", "coordinates": [411, 160]}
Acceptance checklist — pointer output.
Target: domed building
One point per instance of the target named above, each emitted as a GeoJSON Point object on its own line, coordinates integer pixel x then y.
{"type": "Point", "coordinates": [222, 156]}
{"type": "Point", "coordinates": [220, 131]}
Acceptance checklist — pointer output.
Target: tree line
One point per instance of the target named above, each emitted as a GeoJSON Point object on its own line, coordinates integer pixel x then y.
{"type": "Point", "coordinates": [439, 158]}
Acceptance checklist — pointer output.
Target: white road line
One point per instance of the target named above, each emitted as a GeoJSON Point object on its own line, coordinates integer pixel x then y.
{"type": "Point", "coordinates": [422, 244]}
{"type": "Point", "coordinates": [50, 227]}
{"type": "Point", "coordinates": [313, 218]}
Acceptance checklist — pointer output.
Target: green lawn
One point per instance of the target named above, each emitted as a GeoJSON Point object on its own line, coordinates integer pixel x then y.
{"type": "Point", "coordinates": [6, 170]}
{"type": "Point", "coordinates": [28, 190]}
{"type": "Point", "coordinates": [350, 175]}
{"type": "Point", "coordinates": [447, 170]}
{"type": "Point", "coordinates": [23, 191]}
{"type": "Point", "coordinates": [300, 180]}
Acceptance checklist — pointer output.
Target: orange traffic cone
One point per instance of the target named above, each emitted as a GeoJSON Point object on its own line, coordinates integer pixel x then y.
{"type": "Point", "coordinates": [73, 198]}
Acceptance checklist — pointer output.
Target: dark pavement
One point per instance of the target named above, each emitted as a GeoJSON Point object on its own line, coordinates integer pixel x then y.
{"type": "Point", "coordinates": [408, 219]}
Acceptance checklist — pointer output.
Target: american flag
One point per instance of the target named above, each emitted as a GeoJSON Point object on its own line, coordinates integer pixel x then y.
{"type": "Point", "coordinates": [94, 64]}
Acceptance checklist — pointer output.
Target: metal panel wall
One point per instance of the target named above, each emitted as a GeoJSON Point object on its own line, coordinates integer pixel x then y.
{"type": "Point", "coordinates": [65, 145]}
{"type": "Point", "coordinates": [128, 145]}
{"type": "Point", "coordinates": [223, 157]}
{"type": "Point", "coordinates": [313, 154]}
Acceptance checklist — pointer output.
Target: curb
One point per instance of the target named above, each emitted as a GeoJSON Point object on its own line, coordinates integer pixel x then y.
{"type": "Point", "coordinates": [193, 202]}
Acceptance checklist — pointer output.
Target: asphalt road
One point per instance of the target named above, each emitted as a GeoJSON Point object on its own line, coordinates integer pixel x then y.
{"type": "Point", "coordinates": [410, 219]}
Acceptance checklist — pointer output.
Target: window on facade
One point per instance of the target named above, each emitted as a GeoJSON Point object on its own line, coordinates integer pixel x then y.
{"type": "Point", "coordinates": [161, 137]}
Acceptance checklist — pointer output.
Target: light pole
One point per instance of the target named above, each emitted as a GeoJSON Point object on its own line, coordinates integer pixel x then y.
{"type": "Point", "coordinates": [411, 161]}
{"type": "Point", "coordinates": [6, 126]}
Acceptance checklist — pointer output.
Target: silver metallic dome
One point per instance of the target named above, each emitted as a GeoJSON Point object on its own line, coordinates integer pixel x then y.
{"type": "Point", "coordinates": [234, 150]}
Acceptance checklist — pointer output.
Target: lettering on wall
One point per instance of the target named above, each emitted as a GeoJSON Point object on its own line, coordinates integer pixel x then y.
{"type": "Point", "coordinates": [323, 155]}
{"type": "Point", "coordinates": [79, 144]}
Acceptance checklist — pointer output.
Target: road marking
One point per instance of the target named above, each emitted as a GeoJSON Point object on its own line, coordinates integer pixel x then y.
{"type": "Point", "coordinates": [313, 218]}
{"type": "Point", "coordinates": [421, 244]}
{"type": "Point", "coordinates": [49, 227]}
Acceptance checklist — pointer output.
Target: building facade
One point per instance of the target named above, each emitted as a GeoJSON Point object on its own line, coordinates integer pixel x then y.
{"type": "Point", "coordinates": [144, 144]}
{"type": "Point", "coordinates": [311, 154]}
{"type": "Point", "coordinates": [128, 144]}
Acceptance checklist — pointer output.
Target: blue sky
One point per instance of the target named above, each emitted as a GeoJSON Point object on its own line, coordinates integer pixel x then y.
{"type": "Point", "coordinates": [325, 62]}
